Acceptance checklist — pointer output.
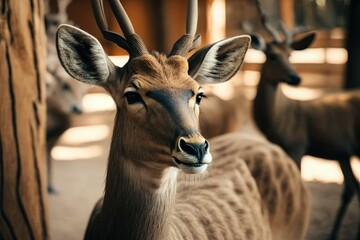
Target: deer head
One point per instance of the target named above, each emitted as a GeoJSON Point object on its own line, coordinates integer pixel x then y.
{"type": "Point", "coordinates": [277, 66]}
{"type": "Point", "coordinates": [157, 96]}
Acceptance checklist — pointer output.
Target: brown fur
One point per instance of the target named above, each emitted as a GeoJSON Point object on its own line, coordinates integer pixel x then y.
{"type": "Point", "coordinates": [225, 203]}
{"type": "Point", "coordinates": [220, 116]}
{"type": "Point", "coordinates": [326, 127]}
{"type": "Point", "coordinates": [196, 211]}
{"type": "Point", "coordinates": [222, 204]}
{"type": "Point", "coordinates": [156, 140]}
{"type": "Point", "coordinates": [285, 199]}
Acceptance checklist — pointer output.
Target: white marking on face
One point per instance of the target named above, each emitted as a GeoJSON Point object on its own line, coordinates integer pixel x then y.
{"type": "Point", "coordinates": [193, 169]}
{"type": "Point", "coordinates": [134, 100]}
{"type": "Point", "coordinates": [197, 106]}
{"type": "Point", "coordinates": [129, 89]}
{"type": "Point", "coordinates": [191, 164]}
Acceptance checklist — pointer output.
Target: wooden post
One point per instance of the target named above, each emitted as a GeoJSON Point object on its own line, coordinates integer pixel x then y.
{"type": "Point", "coordinates": [23, 205]}
{"type": "Point", "coordinates": [352, 77]}
{"type": "Point", "coordinates": [287, 12]}
{"type": "Point", "coordinates": [216, 20]}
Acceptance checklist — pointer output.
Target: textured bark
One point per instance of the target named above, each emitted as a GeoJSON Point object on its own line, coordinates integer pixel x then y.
{"type": "Point", "coordinates": [23, 213]}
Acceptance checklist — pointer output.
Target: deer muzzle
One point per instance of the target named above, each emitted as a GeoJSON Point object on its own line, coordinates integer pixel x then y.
{"type": "Point", "coordinates": [192, 154]}
{"type": "Point", "coordinates": [293, 79]}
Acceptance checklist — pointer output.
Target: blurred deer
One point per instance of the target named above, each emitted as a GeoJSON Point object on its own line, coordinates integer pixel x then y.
{"type": "Point", "coordinates": [326, 127]}
{"type": "Point", "coordinates": [219, 116]}
{"type": "Point", "coordinates": [63, 94]}
{"type": "Point", "coordinates": [156, 141]}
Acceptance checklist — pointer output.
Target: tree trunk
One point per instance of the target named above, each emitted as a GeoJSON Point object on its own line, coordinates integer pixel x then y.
{"type": "Point", "coordinates": [352, 79]}
{"type": "Point", "coordinates": [23, 203]}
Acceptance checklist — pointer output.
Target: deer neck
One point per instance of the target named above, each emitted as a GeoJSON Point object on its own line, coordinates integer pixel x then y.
{"type": "Point", "coordinates": [138, 198]}
{"type": "Point", "coordinates": [267, 103]}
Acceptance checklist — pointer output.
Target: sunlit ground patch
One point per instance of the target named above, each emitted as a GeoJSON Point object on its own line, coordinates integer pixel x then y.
{"type": "Point", "coordinates": [85, 134]}
{"type": "Point", "coordinates": [91, 138]}
{"type": "Point", "coordinates": [94, 102]}
{"type": "Point", "coordinates": [63, 153]}
{"type": "Point", "coordinates": [316, 169]}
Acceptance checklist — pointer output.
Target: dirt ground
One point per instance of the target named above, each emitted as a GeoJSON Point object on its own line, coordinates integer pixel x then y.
{"type": "Point", "coordinates": [80, 184]}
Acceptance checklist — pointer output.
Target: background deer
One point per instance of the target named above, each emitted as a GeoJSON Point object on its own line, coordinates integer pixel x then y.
{"type": "Point", "coordinates": [156, 139]}
{"type": "Point", "coordinates": [63, 93]}
{"type": "Point", "coordinates": [326, 127]}
{"type": "Point", "coordinates": [219, 116]}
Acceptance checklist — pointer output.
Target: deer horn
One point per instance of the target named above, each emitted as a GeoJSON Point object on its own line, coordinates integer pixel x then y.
{"type": "Point", "coordinates": [265, 21]}
{"type": "Point", "coordinates": [191, 17]}
{"type": "Point", "coordinates": [122, 18]}
{"type": "Point", "coordinates": [98, 11]}
{"type": "Point", "coordinates": [288, 34]}
{"type": "Point", "coordinates": [189, 40]}
{"type": "Point", "coordinates": [132, 43]}
{"type": "Point", "coordinates": [62, 5]}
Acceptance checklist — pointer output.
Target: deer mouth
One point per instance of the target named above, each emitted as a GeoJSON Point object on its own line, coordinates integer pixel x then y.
{"type": "Point", "coordinates": [293, 79]}
{"type": "Point", "coordinates": [190, 168]}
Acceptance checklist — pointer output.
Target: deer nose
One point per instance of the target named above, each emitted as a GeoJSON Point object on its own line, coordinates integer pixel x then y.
{"type": "Point", "coordinates": [76, 109]}
{"type": "Point", "coordinates": [192, 154]}
{"type": "Point", "coordinates": [293, 79]}
{"type": "Point", "coordinates": [198, 150]}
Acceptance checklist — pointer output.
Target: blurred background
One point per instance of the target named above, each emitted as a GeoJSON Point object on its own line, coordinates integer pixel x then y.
{"type": "Point", "coordinates": [80, 155]}
{"type": "Point", "coordinates": [160, 23]}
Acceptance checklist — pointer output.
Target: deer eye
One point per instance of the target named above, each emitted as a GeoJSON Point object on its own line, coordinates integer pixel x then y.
{"type": "Point", "coordinates": [65, 87]}
{"type": "Point", "coordinates": [199, 97]}
{"type": "Point", "coordinates": [133, 97]}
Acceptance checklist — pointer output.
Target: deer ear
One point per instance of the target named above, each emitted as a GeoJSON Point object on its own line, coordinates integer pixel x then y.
{"type": "Point", "coordinates": [304, 42]}
{"type": "Point", "coordinates": [257, 42]}
{"type": "Point", "coordinates": [218, 62]}
{"type": "Point", "coordinates": [82, 55]}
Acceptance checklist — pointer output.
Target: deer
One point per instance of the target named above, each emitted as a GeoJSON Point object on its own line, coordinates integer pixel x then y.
{"type": "Point", "coordinates": [63, 93]}
{"type": "Point", "coordinates": [162, 181]}
{"type": "Point", "coordinates": [286, 199]}
{"type": "Point", "coordinates": [325, 127]}
{"type": "Point", "coordinates": [219, 116]}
